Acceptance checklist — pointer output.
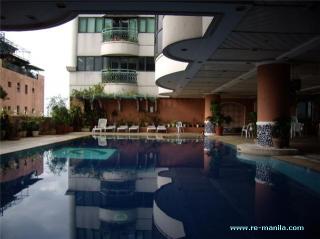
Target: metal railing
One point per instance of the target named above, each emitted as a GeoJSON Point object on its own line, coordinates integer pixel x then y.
{"type": "Point", "coordinates": [119, 76]}
{"type": "Point", "coordinates": [120, 34]}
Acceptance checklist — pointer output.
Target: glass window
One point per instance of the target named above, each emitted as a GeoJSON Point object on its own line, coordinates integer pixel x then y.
{"type": "Point", "coordinates": [99, 24]}
{"type": "Point", "coordinates": [82, 24]}
{"type": "Point", "coordinates": [132, 63]}
{"type": "Point", "coordinates": [133, 24]}
{"type": "Point", "coordinates": [32, 90]}
{"type": "Point", "coordinates": [9, 83]}
{"type": "Point", "coordinates": [142, 25]}
{"type": "Point", "coordinates": [18, 109]}
{"type": "Point", "coordinates": [97, 63]}
{"type": "Point", "coordinates": [107, 23]}
{"type": "Point", "coordinates": [124, 63]}
{"type": "Point", "coordinates": [91, 24]}
{"type": "Point", "coordinates": [150, 25]}
{"type": "Point", "coordinates": [142, 64]}
{"type": "Point", "coordinates": [106, 63]}
{"type": "Point", "coordinates": [150, 64]}
{"type": "Point", "coordinates": [81, 63]}
{"type": "Point", "coordinates": [26, 89]}
{"type": "Point", "coordinates": [114, 63]}
{"type": "Point", "coordinates": [124, 23]}
{"type": "Point", "coordinates": [18, 87]}
{"type": "Point", "coordinates": [89, 63]}
{"type": "Point", "coordinates": [25, 110]}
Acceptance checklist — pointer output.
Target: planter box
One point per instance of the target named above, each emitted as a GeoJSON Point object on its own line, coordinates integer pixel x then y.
{"type": "Point", "coordinates": [35, 133]}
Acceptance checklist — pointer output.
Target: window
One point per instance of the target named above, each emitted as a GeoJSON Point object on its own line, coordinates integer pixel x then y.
{"type": "Point", "coordinates": [9, 83]}
{"type": "Point", "coordinates": [99, 24]}
{"type": "Point", "coordinates": [107, 23]}
{"type": "Point", "coordinates": [91, 25]}
{"type": "Point", "coordinates": [33, 111]}
{"type": "Point", "coordinates": [32, 90]}
{"type": "Point", "coordinates": [132, 63]}
{"type": "Point", "coordinates": [18, 87]}
{"type": "Point", "coordinates": [150, 25]}
{"type": "Point", "coordinates": [82, 24]}
{"type": "Point", "coordinates": [149, 64]}
{"type": "Point", "coordinates": [142, 25]}
{"type": "Point", "coordinates": [9, 108]}
{"type": "Point", "coordinates": [81, 63]}
{"type": "Point", "coordinates": [89, 63]}
{"type": "Point", "coordinates": [18, 109]}
{"type": "Point", "coordinates": [142, 64]}
{"type": "Point", "coordinates": [25, 110]}
{"type": "Point", "coordinates": [97, 63]}
{"type": "Point", "coordinates": [26, 89]}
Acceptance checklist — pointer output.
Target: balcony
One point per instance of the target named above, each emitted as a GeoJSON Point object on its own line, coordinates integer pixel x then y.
{"type": "Point", "coordinates": [119, 41]}
{"type": "Point", "coordinates": [120, 34]}
{"type": "Point", "coordinates": [116, 76]}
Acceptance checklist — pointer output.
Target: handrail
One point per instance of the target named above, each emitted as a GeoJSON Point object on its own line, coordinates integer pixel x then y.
{"type": "Point", "coordinates": [119, 34]}
{"type": "Point", "coordinates": [119, 76]}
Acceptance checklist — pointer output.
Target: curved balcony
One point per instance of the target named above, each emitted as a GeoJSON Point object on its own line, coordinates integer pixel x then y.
{"type": "Point", "coordinates": [119, 76]}
{"type": "Point", "coordinates": [119, 41]}
{"type": "Point", "coordinates": [119, 81]}
{"type": "Point", "coordinates": [119, 34]}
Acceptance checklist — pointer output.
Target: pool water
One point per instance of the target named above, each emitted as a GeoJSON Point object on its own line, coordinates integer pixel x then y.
{"type": "Point", "coordinates": [108, 187]}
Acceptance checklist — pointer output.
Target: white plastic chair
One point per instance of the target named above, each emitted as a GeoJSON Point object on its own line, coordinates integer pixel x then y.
{"type": "Point", "coordinates": [102, 124]}
{"type": "Point", "coordinates": [151, 128]}
{"type": "Point", "coordinates": [134, 128]}
{"type": "Point", "coordinates": [179, 127]}
{"type": "Point", "coordinates": [122, 128]}
{"type": "Point", "coordinates": [247, 130]}
{"type": "Point", "coordinates": [161, 128]}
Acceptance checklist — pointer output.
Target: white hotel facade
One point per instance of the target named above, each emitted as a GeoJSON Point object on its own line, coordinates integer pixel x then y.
{"type": "Point", "coordinates": [115, 50]}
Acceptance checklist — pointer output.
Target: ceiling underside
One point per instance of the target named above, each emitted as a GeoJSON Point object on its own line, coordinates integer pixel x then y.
{"type": "Point", "coordinates": [268, 31]}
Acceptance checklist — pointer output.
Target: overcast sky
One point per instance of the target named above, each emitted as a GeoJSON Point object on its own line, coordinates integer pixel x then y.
{"type": "Point", "coordinates": [50, 50]}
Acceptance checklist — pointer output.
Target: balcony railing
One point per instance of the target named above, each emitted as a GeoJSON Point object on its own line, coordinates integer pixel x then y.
{"type": "Point", "coordinates": [120, 34]}
{"type": "Point", "coordinates": [119, 76]}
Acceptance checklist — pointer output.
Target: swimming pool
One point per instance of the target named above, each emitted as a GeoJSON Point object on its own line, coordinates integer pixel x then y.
{"type": "Point", "coordinates": [111, 187]}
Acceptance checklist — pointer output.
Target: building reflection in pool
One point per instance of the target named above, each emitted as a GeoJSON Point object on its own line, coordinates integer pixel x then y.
{"type": "Point", "coordinates": [16, 176]}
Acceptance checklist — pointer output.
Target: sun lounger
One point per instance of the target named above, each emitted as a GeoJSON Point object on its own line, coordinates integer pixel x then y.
{"type": "Point", "coordinates": [122, 128]}
{"type": "Point", "coordinates": [161, 128]}
{"type": "Point", "coordinates": [134, 128]}
{"type": "Point", "coordinates": [102, 124]}
{"type": "Point", "coordinates": [151, 128]}
{"type": "Point", "coordinates": [110, 127]}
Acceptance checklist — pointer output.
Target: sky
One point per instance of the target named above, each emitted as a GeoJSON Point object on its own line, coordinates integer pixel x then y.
{"type": "Point", "coordinates": [50, 50]}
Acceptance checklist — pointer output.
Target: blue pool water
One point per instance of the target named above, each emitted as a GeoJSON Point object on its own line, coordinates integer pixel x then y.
{"type": "Point", "coordinates": [149, 188]}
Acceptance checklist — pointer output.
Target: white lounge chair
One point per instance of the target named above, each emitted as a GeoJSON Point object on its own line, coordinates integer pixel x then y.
{"type": "Point", "coordinates": [111, 127]}
{"type": "Point", "coordinates": [102, 124]}
{"type": "Point", "coordinates": [179, 127]}
{"type": "Point", "coordinates": [161, 128]}
{"type": "Point", "coordinates": [151, 128]}
{"type": "Point", "coordinates": [123, 128]}
{"type": "Point", "coordinates": [134, 128]}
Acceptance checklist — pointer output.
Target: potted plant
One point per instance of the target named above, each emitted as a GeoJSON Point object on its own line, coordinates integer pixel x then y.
{"type": "Point", "coordinates": [35, 128]}
{"type": "Point", "coordinates": [61, 118]}
{"type": "Point", "coordinates": [281, 132]}
{"type": "Point", "coordinates": [218, 118]}
{"type": "Point", "coordinates": [4, 122]}
{"type": "Point", "coordinates": [23, 129]}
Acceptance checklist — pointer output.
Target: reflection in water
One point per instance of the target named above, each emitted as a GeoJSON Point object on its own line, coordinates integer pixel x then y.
{"type": "Point", "coordinates": [114, 198]}
{"type": "Point", "coordinates": [150, 188]}
{"type": "Point", "coordinates": [15, 178]}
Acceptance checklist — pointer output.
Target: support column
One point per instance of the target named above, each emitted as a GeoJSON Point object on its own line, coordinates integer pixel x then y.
{"type": "Point", "coordinates": [273, 98]}
{"type": "Point", "coordinates": [208, 128]}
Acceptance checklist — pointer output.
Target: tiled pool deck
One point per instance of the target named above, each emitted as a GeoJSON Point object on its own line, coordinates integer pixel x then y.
{"type": "Point", "coordinates": [309, 146]}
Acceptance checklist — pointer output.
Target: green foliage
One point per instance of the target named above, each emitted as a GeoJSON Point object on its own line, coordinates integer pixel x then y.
{"type": "Point", "coordinates": [218, 117]}
{"type": "Point", "coordinates": [281, 128]}
{"type": "Point", "coordinates": [60, 115]}
{"type": "Point", "coordinates": [76, 117]}
{"type": "Point", "coordinates": [253, 117]}
{"type": "Point", "coordinates": [33, 124]}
